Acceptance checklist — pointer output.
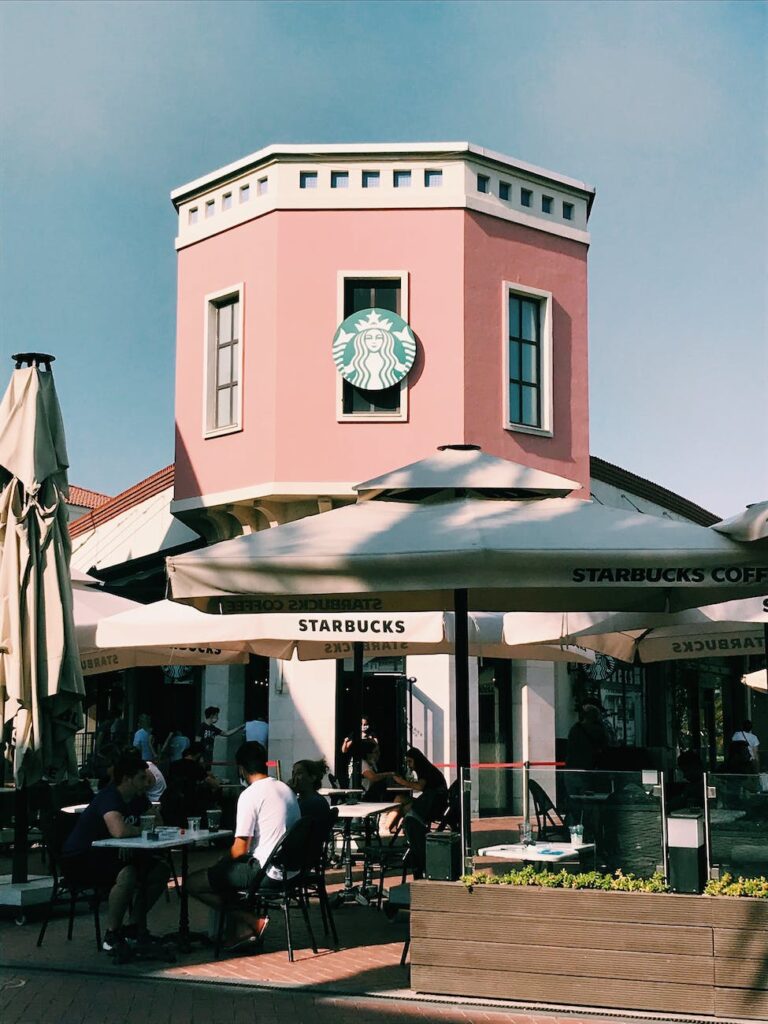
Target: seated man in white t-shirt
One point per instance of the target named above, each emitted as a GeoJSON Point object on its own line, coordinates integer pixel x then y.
{"type": "Point", "coordinates": [266, 809]}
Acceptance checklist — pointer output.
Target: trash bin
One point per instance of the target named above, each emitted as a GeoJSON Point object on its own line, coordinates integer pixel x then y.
{"type": "Point", "coordinates": [687, 851]}
{"type": "Point", "coordinates": [443, 858]}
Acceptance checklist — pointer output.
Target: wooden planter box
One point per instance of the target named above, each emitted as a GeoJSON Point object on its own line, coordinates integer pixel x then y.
{"type": "Point", "coordinates": [631, 951]}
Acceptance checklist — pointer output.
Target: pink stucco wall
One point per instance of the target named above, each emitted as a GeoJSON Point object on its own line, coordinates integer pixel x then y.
{"type": "Point", "coordinates": [289, 263]}
{"type": "Point", "coordinates": [496, 251]}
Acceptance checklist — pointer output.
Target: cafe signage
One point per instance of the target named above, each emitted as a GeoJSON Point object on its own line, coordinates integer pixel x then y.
{"type": "Point", "coordinates": [374, 349]}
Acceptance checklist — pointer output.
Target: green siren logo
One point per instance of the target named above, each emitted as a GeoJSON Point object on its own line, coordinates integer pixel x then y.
{"type": "Point", "coordinates": [374, 349]}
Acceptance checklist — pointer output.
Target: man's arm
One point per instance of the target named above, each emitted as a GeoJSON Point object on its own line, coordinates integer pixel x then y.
{"type": "Point", "coordinates": [117, 826]}
{"type": "Point", "coordinates": [232, 731]}
{"type": "Point", "coordinates": [240, 847]}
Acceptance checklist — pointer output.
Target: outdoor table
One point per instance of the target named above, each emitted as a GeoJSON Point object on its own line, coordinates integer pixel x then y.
{"type": "Point", "coordinates": [725, 816]}
{"type": "Point", "coordinates": [185, 840]}
{"type": "Point", "coordinates": [73, 809]}
{"type": "Point", "coordinates": [537, 853]}
{"type": "Point", "coordinates": [331, 792]}
{"type": "Point", "coordinates": [348, 813]}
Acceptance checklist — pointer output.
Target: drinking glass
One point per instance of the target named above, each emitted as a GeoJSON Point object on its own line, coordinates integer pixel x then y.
{"type": "Point", "coordinates": [526, 833]}
{"type": "Point", "coordinates": [147, 824]}
{"type": "Point", "coordinates": [193, 824]}
{"type": "Point", "coordinates": [577, 835]}
{"type": "Point", "coordinates": [214, 820]}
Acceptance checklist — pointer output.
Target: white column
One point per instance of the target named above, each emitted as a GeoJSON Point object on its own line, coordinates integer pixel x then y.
{"type": "Point", "coordinates": [224, 688]}
{"type": "Point", "coordinates": [302, 711]}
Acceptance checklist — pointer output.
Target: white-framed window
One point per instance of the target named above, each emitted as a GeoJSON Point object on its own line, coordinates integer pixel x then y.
{"type": "Point", "coordinates": [223, 370]}
{"type": "Point", "coordinates": [527, 359]}
{"type": "Point", "coordinates": [366, 289]}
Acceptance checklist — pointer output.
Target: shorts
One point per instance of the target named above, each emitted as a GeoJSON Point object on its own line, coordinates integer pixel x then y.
{"type": "Point", "coordinates": [228, 875]}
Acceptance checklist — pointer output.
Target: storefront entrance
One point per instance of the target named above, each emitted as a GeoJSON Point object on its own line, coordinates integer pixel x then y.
{"type": "Point", "coordinates": [385, 705]}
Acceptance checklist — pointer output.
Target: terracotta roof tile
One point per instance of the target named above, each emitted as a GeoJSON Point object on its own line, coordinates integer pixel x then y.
{"type": "Point", "coordinates": [85, 498]}
{"type": "Point", "coordinates": [141, 491]}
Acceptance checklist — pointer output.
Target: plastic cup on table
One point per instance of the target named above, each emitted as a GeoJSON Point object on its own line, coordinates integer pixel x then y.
{"type": "Point", "coordinates": [214, 820]}
{"type": "Point", "coordinates": [577, 835]}
{"type": "Point", "coordinates": [147, 825]}
{"type": "Point", "coordinates": [193, 824]}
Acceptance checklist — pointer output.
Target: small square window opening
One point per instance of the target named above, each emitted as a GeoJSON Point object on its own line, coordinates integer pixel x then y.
{"type": "Point", "coordinates": [504, 190]}
{"type": "Point", "coordinates": [308, 179]}
{"type": "Point", "coordinates": [526, 197]}
{"type": "Point", "coordinates": [483, 183]}
{"type": "Point", "coordinates": [193, 215]}
{"type": "Point", "coordinates": [210, 208]}
{"type": "Point", "coordinates": [371, 179]}
{"type": "Point", "coordinates": [567, 211]}
{"type": "Point", "coordinates": [546, 204]}
{"type": "Point", "coordinates": [226, 201]}
{"type": "Point", "coordinates": [339, 179]}
{"type": "Point", "coordinates": [262, 186]}
{"type": "Point", "coordinates": [433, 179]}
{"type": "Point", "coordinates": [245, 193]}
{"type": "Point", "coordinates": [401, 179]}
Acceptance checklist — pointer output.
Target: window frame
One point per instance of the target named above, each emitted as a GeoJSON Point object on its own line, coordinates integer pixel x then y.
{"type": "Point", "coordinates": [213, 301]}
{"type": "Point", "coordinates": [526, 198]}
{"type": "Point", "coordinates": [483, 184]}
{"type": "Point", "coordinates": [342, 276]}
{"type": "Point", "coordinates": [545, 300]}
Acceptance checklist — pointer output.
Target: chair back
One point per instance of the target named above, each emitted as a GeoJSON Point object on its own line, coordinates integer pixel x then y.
{"type": "Point", "coordinates": [292, 853]}
{"type": "Point", "coordinates": [320, 839]}
{"type": "Point", "coordinates": [452, 814]}
{"type": "Point", "coordinates": [56, 829]}
{"type": "Point", "coordinates": [544, 808]}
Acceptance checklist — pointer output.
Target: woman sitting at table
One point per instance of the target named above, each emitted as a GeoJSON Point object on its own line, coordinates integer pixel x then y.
{"type": "Point", "coordinates": [429, 781]}
{"type": "Point", "coordinates": [306, 778]}
{"type": "Point", "coordinates": [373, 782]}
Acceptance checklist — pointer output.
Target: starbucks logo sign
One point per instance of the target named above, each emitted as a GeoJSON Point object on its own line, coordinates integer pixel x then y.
{"type": "Point", "coordinates": [374, 349]}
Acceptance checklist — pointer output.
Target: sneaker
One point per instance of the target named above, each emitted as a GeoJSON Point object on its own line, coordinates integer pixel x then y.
{"type": "Point", "coordinates": [111, 941]}
{"type": "Point", "coordinates": [136, 936]}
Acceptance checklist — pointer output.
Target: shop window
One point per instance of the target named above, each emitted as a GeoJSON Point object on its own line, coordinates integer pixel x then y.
{"type": "Point", "coordinates": [224, 362]}
{"type": "Point", "coordinates": [528, 360]}
{"type": "Point", "coordinates": [366, 293]}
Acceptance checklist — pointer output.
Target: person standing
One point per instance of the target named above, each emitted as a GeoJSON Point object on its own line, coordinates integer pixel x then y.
{"type": "Point", "coordinates": [266, 809]}
{"type": "Point", "coordinates": [209, 730]}
{"type": "Point", "coordinates": [257, 731]}
{"type": "Point", "coordinates": [142, 739]}
{"type": "Point", "coordinates": [745, 735]}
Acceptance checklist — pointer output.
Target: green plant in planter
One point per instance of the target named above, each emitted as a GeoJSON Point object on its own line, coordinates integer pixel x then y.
{"type": "Point", "coordinates": [546, 879]}
{"type": "Point", "coordinates": [730, 886]}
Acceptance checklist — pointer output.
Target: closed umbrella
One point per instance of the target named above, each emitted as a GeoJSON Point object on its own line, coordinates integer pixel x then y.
{"type": "Point", "coordinates": [41, 685]}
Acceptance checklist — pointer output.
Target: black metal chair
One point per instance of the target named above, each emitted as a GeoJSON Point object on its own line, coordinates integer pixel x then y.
{"type": "Point", "coordinates": [383, 857]}
{"type": "Point", "coordinates": [67, 890]}
{"type": "Point", "coordinates": [550, 825]}
{"type": "Point", "coordinates": [292, 858]}
{"type": "Point", "coordinates": [314, 876]}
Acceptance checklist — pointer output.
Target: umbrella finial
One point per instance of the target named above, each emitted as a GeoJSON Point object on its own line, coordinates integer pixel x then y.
{"type": "Point", "coordinates": [38, 359]}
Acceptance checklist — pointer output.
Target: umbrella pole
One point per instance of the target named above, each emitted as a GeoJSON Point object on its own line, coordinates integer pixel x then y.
{"type": "Point", "coordinates": [357, 704]}
{"type": "Point", "coordinates": [20, 830]}
{"type": "Point", "coordinates": [461, 683]}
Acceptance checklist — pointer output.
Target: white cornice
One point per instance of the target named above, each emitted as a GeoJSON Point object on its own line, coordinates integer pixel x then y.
{"type": "Point", "coordinates": [275, 490]}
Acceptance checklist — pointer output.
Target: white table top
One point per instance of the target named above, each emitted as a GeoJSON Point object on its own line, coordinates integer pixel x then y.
{"type": "Point", "coordinates": [140, 843]}
{"type": "Point", "coordinates": [537, 852]}
{"type": "Point", "coordinates": [73, 809]}
{"type": "Point", "coordinates": [329, 791]}
{"type": "Point", "coordinates": [363, 810]}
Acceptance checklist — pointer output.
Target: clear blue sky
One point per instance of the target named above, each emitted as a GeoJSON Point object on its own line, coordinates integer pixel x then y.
{"type": "Point", "coordinates": [104, 108]}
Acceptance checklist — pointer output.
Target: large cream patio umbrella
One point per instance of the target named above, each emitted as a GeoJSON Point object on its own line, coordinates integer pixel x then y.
{"type": "Point", "coordinates": [461, 530]}
{"type": "Point", "coordinates": [729, 629]}
{"type": "Point", "coordinates": [316, 637]}
{"type": "Point", "coordinates": [41, 685]}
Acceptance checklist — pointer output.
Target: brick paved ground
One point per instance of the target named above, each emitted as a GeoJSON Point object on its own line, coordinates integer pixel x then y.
{"type": "Point", "coordinates": [69, 982]}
